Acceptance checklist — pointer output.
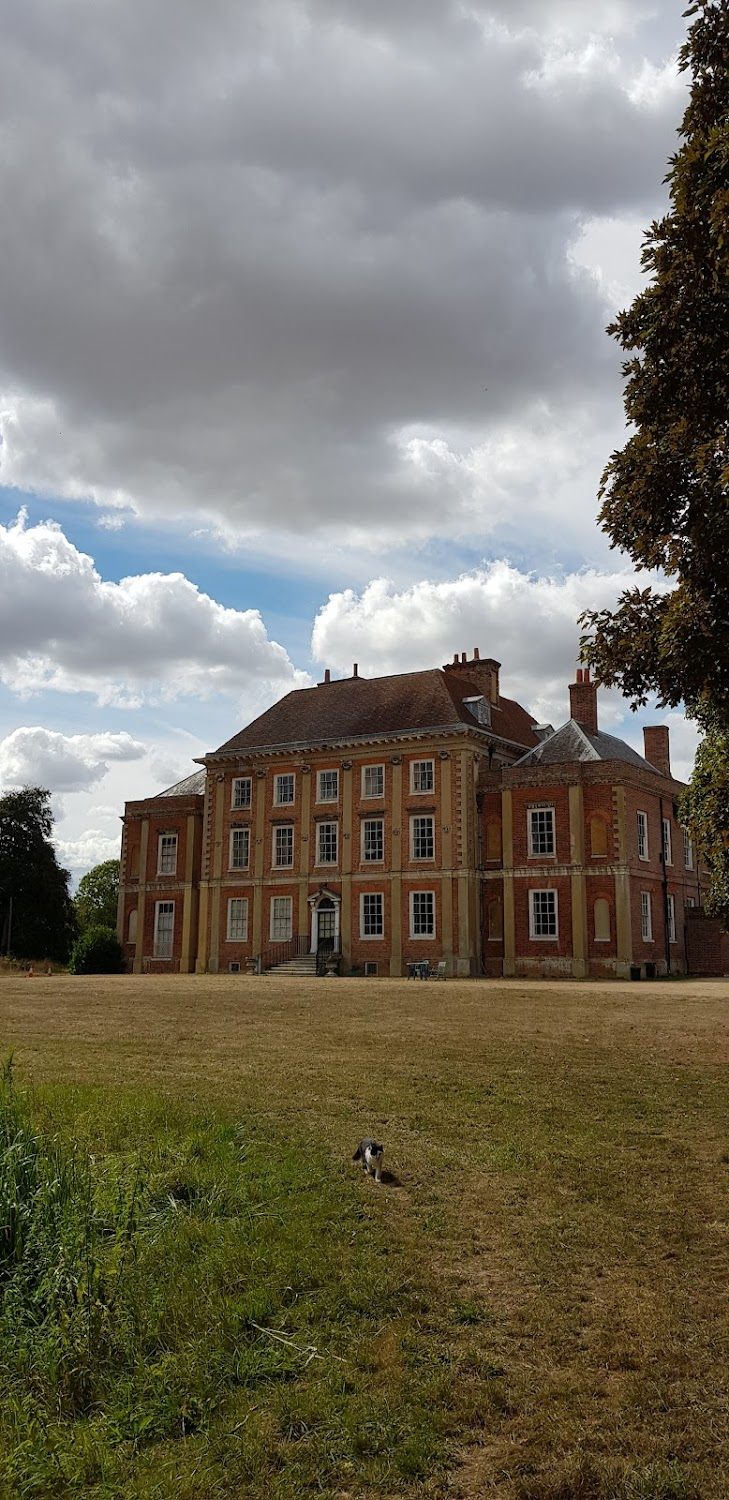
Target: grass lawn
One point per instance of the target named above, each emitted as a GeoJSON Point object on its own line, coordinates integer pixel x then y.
{"type": "Point", "coordinates": [209, 1300]}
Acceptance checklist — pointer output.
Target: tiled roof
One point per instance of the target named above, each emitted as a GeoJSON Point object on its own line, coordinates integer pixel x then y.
{"type": "Point", "coordinates": [363, 708]}
{"type": "Point", "coordinates": [192, 786]}
{"type": "Point", "coordinates": [573, 742]}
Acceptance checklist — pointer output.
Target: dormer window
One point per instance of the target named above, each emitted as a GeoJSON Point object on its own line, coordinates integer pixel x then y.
{"type": "Point", "coordinates": [480, 708]}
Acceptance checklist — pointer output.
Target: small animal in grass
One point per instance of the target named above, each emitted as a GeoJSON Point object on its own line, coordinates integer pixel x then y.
{"type": "Point", "coordinates": [370, 1153]}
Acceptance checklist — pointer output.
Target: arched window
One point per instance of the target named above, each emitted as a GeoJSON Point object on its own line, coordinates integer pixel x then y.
{"type": "Point", "coordinates": [598, 838]}
{"type": "Point", "coordinates": [493, 840]}
{"type": "Point", "coordinates": [495, 921]}
{"type": "Point", "coordinates": [132, 926]}
{"type": "Point", "coordinates": [602, 920]}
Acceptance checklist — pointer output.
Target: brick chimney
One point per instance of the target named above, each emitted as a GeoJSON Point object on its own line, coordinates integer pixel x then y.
{"type": "Point", "coordinates": [482, 670]}
{"type": "Point", "coordinates": [656, 747]}
{"type": "Point", "coordinates": [583, 701]}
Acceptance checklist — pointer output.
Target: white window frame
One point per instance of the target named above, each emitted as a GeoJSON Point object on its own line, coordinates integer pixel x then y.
{"type": "Point", "coordinates": [416, 771]}
{"type": "Point", "coordinates": [667, 849]}
{"type": "Point", "coordinates": [237, 919]}
{"type": "Point", "coordinates": [280, 864]}
{"type": "Point", "coordinates": [671, 914]}
{"type": "Point", "coordinates": [329, 796]}
{"type": "Point", "coordinates": [238, 797]}
{"type": "Point", "coordinates": [422, 818]}
{"type": "Point", "coordinates": [236, 830]}
{"type": "Point", "coordinates": [422, 937]}
{"type": "Point", "coordinates": [642, 826]}
{"type": "Point", "coordinates": [545, 812]}
{"type": "Point", "coordinates": [367, 771]}
{"type": "Point", "coordinates": [166, 846]}
{"type": "Point", "coordinates": [278, 780]}
{"type": "Point", "coordinates": [164, 908]}
{"type": "Point", "coordinates": [688, 850]}
{"type": "Point", "coordinates": [319, 837]}
{"type": "Point", "coordinates": [543, 937]}
{"type": "Point", "coordinates": [283, 904]}
{"type": "Point", "coordinates": [369, 859]}
{"type": "Point", "coordinates": [646, 916]}
{"type": "Point", "coordinates": [371, 937]}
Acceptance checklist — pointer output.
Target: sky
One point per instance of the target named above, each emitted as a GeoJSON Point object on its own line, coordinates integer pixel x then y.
{"type": "Point", "coordinates": [303, 360]}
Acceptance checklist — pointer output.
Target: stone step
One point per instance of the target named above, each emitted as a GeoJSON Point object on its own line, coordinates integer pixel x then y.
{"type": "Point", "coordinates": [301, 966]}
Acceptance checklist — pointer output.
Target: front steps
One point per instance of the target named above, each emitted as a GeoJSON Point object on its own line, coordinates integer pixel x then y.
{"type": "Point", "coordinates": [303, 967]}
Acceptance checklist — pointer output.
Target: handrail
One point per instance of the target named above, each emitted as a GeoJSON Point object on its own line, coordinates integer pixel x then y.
{"type": "Point", "coordinates": [281, 953]}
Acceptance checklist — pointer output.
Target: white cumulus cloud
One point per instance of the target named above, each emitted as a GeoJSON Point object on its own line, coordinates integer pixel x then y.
{"type": "Point", "coordinates": [527, 622]}
{"type": "Point", "coordinates": [34, 756]}
{"type": "Point", "coordinates": [153, 636]}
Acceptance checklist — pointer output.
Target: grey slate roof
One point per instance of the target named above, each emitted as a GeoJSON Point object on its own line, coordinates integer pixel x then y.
{"type": "Point", "coordinates": [191, 786]}
{"type": "Point", "coordinates": [359, 707]}
{"type": "Point", "coordinates": [572, 742]}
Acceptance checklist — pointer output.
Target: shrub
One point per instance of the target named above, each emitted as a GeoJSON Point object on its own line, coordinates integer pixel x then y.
{"type": "Point", "coordinates": [97, 951]}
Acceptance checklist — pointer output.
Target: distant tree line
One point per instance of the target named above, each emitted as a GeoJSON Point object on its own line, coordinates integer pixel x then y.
{"type": "Point", "coordinates": [39, 919]}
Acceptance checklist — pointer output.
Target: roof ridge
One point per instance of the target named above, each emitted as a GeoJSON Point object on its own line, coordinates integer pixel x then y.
{"type": "Point", "coordinates": [585, 736]}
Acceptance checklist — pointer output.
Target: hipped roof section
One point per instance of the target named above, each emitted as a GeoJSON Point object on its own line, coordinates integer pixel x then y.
{"type": "Point", "coordinates": [574, 742]}
{"type": "Point", "coordinates": [360, 708]}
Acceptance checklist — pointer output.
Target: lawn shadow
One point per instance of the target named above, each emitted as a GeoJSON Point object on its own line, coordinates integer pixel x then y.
{"type": "Point", "coordinates": [390, 1179]}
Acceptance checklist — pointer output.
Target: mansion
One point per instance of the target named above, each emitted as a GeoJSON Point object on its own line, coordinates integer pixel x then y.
{"type": "Point", "coordinates": [384, 822]}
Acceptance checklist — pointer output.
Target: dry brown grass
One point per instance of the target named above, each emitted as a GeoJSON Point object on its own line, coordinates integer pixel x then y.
{"type": "Point", "coordinates": [561, 1156]}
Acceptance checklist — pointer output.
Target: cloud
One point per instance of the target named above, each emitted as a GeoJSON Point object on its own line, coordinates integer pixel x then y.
{"type": "Point", "coordinates": [80, 855]}
{"type": "Point", "coordinates": [150, 637]}
{"type": "Point", "coordinates": [34, 756]}
{"type": "Point", "coordinates": [527, 622]}
{"type": "Point", "coordinates": [248, 251]}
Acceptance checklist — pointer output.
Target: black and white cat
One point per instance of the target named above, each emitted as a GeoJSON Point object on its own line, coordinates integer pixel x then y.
{"type": "Point", "coordinates": [371, 1154]}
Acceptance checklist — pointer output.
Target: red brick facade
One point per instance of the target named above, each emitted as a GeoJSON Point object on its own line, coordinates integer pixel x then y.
{"type": "Point", "coordinates": [455, 830]}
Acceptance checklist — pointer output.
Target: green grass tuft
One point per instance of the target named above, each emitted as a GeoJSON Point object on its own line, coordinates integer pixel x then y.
{"type": "Point", "coordinates": [195, 1291]}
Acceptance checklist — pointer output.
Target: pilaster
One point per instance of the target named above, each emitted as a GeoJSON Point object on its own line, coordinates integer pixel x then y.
{"type": "Point", "coordinates": [576, 802]}
{"type": "Point", "coordinates": [258, 853]}
{"type": "Point", "coordinates": [141, 898]}
{"type": "Point", "coordinates": [346, 857]}
{"type": "Point", "coordinates": [218, 815]}
{"type": "Point", "coordinates": [189, 900]}
{"type": "Point", "coordinates": [507, 835]}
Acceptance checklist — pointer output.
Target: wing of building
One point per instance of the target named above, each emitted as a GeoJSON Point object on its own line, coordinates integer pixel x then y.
{"type": "Point", "coordinates": [378, 824]}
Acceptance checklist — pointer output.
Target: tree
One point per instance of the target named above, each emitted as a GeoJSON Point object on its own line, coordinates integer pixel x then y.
{"type": "Point", "coordinates": [97, 951]}
{"type": "Point", "coordinates": [665, 494]}
{"type": "Point", "coordinates": [705, 809]}
{"type": "Point", "coordinates": [38, 917]}
{"type": "Point", "coordinates": [96, 898]}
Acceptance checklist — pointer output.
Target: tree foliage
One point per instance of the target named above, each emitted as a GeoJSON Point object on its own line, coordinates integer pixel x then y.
{"type": "Point", "coordinates": [665, 495]}
{"type": "Point", "coordinates": [96, 898]}
{"type": "Point", "coordinates": [97, 951]}
{"type": "Point", "coordinates": [43, 923]}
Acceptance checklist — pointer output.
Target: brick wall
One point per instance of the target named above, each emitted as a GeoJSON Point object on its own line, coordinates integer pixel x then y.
{"type": "Point", "coordinates": [707, 943]}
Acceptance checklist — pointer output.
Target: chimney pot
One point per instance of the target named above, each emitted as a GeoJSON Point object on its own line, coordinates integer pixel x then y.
{"type": "Point", "coordinates": [464, 657]}
{"type": "Point", "coordinates": [579, 675]}
{"type": "Point", "coordinates": [586, 675]}
{"type": "Point", "coordinates": [455, 658]}
{"type": "Point", "coordinates": [475, 653]}
{"type": "Point", "coordinates": [354, 670]}
{"type": "Point", "coordinates": [327, 675]}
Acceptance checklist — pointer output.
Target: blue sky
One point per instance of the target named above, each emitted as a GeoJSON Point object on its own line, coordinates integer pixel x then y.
{"type": "Point", "coordinates": [303, 359]}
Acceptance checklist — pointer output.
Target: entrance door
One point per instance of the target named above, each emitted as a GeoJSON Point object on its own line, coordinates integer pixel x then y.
{"type": "Point", "coordinates": [325, 924]}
